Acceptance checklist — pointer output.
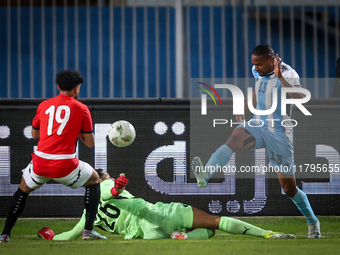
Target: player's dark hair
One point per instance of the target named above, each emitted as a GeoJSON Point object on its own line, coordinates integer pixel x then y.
{"type": "Point", "coordinates": [100, 172]}
{"type": "Point", "coordinates": [68, 79]}
{"type": "Point", "coordinates": [263, 50]}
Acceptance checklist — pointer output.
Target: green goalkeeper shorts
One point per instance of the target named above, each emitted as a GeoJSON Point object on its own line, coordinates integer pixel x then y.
{"type": "Point", "coordinates": [159, 220]}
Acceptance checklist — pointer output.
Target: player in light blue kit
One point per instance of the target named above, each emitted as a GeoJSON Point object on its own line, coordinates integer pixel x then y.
{"type": "Point", "coordinates": [269, 72]}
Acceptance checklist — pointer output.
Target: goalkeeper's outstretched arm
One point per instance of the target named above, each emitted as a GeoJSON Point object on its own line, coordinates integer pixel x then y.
{"type": "Point", "coordinates": [74, 233]}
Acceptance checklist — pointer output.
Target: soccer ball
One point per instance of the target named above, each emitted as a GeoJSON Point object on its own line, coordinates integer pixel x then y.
{"type": "Point", "coordinates": [122, 133]}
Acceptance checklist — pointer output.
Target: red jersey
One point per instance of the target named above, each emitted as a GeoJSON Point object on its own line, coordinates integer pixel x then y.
{"type": "Point", "coordinates": [59, 120]}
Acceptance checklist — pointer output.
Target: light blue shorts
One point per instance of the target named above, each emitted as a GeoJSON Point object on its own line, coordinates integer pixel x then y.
{"type": "Point", "coordinates": [280, 149]}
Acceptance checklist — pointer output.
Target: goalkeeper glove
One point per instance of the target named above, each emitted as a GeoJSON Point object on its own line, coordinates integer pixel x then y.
{"type": "Point", "coordinates": [120, 184]}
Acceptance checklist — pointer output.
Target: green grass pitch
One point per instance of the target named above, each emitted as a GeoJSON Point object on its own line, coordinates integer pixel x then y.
{"type": "Point", "coordinates": [24, 240]}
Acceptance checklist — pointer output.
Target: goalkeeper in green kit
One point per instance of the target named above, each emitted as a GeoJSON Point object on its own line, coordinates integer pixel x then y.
{"type": "Point", "coordinates": [123, 214]}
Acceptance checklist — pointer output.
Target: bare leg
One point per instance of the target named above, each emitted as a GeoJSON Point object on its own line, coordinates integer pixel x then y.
{"type": "Point", "coordinates": [94, 179]}
{"type": "Point", "coordinates": [240, 140]}
{"type": "Point", "coordinates": [205, 220]}
{"type": "Point", "coordinates": [288, 183]}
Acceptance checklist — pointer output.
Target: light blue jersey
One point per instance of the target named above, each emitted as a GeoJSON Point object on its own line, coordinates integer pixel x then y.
{"type": "Point", "coordinates": [264, 86]}
{"type": "Point", "coordinates": [268, 130]}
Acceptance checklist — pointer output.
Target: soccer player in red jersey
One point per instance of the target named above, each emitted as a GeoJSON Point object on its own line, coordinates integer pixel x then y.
{"type": "Point", "coordinates": [58, 123]}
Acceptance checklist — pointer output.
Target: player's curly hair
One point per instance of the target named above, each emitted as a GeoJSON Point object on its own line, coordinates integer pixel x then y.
{"type": "Point", "coordinates": [100, 172]}
{"type": "Point", "coordinates": [263, 50]}
{"type": "Point", "coordinates": [68, 79]}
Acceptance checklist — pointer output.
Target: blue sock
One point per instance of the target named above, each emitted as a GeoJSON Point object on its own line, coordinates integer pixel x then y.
{"type": "Point", "coordinates": [301, 201]}
{"type": "Point", "coordinates": [219, 158]}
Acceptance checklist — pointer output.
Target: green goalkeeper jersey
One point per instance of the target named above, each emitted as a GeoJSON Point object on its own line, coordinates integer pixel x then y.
{"type": "Point", "coordinates": [134, 217]}
{"type": "Point", "coordinates": [119, 214]}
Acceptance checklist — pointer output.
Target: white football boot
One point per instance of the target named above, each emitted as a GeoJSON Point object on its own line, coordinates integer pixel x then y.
{"type": "Point", "coordinates": [314, 230]}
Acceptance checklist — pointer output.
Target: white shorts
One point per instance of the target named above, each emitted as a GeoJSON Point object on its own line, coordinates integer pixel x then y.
{"type": "Point", "coordinates": [77, 178]}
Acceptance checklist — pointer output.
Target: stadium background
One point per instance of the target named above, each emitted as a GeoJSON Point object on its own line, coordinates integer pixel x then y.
{"type": "Point", "coordinates": [126, 51]}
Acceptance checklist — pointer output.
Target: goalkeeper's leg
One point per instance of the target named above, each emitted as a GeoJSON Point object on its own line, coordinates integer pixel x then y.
{"type": "Point", "coordinates": [202, 219]}
{"type": "Point", "coordinates": [235, 226]}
